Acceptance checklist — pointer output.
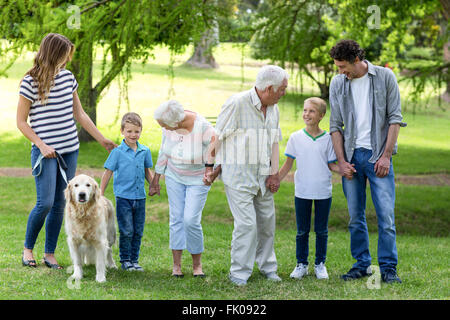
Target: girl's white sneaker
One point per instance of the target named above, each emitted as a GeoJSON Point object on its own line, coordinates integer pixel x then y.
{"type": "Point", "coordinates": [321, 271]}
{"type": "Point", "coordinates": [299, 271]}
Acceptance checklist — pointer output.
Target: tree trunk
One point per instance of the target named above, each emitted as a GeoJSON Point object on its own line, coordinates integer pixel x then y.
{"type": "Point", "coordinates": [446, 95]}
{"type": "Point", "coordinates": [202, 56]}
{"type": "Point", "coordinates": [446, 13]}
{"type": "Point", "coordinates": [324, 90]}
{"type": "Point", "coordinates": [323, 86]}
{"type": "Point", "coordinates": [446, 9]}
{"type": "Point", "coordinates": [82, 65]}
{"type": "Point", "coordinates": [89, 103]}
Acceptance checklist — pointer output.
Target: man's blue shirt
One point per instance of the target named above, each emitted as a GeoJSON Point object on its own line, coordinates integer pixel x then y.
{"type": "Point", "coordinates": [129, 170]}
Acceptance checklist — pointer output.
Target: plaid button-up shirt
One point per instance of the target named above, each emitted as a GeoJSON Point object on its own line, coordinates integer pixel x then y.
{"type": "Point", "coordinates": [246, 138]}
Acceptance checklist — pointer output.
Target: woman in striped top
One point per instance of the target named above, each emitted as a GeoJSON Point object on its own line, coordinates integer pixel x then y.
{"type": "Point", "coordinates": [48, 96]}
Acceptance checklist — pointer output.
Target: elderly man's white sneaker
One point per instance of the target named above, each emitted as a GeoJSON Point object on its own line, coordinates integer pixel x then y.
{"type": "Point", "coordinates": [272, 276]}
{"type": "Point", "coordinates": [321, 271]}
{"type": "Point", "coordinates": [237, 281]}
{"type": "Point", "coordinates": [300, 271]}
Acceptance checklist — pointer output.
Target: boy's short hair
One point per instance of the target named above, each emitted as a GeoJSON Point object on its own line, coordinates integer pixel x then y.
{"type": "Point", "coordinates": [131, 117]}
{"type": "Point", "coordinates": [319, 103]}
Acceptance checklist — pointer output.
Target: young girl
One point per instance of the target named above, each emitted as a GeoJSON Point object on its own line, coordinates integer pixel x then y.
{"type": "Point", "coordinates": [48, 96]}
{"type": "Point", "coordinates": [313, 150]}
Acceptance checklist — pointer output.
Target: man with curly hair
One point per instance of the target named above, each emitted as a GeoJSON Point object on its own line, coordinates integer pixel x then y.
{"type": "Point", "coordinates": [364, 125]}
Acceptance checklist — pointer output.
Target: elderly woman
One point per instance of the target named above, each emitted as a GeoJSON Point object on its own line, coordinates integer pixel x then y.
{"type": "Point", "coordinates": [186, 160]}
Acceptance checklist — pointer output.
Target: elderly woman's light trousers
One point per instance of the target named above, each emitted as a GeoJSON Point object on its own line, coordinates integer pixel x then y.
{"type": "Point", "coordinates": [186, 204]}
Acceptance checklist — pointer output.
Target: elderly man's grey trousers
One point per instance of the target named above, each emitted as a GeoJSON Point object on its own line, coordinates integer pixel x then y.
{"type": "Point", "coordinates": [253, 234]}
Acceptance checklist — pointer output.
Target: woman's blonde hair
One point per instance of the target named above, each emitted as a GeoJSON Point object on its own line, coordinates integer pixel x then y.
{"type": "Point", "coordinates": [54, 52]}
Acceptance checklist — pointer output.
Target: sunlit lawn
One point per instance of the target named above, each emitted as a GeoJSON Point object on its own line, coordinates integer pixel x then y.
{"type": "Point", "coordinates": [422, 216]}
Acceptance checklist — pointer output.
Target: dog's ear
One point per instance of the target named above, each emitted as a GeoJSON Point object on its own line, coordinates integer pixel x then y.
{"type": "Point", "coordinates": [68, 193]}
{"type": "Point", "coordinates": [96, 190]}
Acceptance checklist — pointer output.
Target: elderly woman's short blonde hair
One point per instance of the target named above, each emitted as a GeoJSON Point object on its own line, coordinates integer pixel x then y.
{"type": "Point", "coordinates": [170, 113]}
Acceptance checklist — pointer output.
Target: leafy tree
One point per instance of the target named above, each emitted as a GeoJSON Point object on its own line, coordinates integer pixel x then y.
{"type": "Point", "coordinates": [412, 37]}
{"type": "Point", "coordinates": [302, 32]}
{"type": "Point", "coordinates": [237, 27]}
{"type": "Point", "coordinates": [294, 32]}
{"type": "Point", "coordinates": [218, 27]}
{"type": "Point", "coordinates": [123, 29]}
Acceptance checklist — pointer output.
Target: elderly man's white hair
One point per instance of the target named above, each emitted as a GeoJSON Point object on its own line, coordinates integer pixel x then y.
{"type": "Point", "coordinates": [270, 75]}
{"type": "Point", "coordinates": [170, 113]}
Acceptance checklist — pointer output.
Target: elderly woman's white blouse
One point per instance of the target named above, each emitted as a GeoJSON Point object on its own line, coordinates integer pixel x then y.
{"type": "Point", "coordinates": [183, 156]}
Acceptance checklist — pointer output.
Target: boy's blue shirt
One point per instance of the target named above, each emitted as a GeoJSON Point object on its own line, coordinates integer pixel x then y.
{"type": "Point", "coordinates": [129, 170]}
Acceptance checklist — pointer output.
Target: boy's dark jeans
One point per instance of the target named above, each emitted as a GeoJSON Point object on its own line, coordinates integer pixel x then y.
{"type": "Point", "coordinates": [131, 220]}
{"type": "Point", "coordinates": [303, 208]}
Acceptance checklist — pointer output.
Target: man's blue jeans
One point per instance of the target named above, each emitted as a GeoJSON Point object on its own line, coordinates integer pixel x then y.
{"type": "Point", "coordinates": [383, 197]}
{"type": "Point", "coordinates": [50, 201]}
{"type": "Point", "coordinates": [131, 221]}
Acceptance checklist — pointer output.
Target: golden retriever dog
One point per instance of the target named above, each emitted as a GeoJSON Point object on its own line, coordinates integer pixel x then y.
{"type": "Point", "coordinates": [90, 226]}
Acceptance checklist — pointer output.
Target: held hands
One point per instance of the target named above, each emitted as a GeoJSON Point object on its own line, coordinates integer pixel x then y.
{"type": "Point", "coordinates": [155, 188]}
{"type": "Point", "coordinates": [210, 175]}
{"type": "Point", "coordinates": [346, 169]}
{"type": "Point", "coordinates": [273, 182]}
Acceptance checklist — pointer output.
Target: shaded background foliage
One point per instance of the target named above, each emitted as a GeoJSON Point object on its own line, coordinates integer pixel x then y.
{"type": "Point", "coordinates": [410, 36]}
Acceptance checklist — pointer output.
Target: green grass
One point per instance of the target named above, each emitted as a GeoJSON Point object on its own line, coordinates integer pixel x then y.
{"type": "Point", "coordinates": [422, 212]}
{"type": "Point", "coordinates": [423, 259]}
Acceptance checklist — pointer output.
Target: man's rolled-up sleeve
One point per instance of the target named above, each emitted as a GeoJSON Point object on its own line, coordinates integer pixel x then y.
{"type": "Point", "coordinates": [336, 121]}
{"type": "Point", "coordinates": [394, 113]}
{"type": "Point", "coordinates": [226, 123]}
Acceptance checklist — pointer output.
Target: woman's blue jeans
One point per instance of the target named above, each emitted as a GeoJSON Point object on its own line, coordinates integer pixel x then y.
{"type": "Point", "coordinates": [50, 201]}
{"type": "Point", "coordinates": [383, 197]}
{"type": "Point", "coordinates": [131, 221]}
{"type": "Point", "coordinates": [303, 208]}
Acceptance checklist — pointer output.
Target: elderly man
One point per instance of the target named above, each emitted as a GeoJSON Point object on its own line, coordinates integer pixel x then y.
{"type": "Point", "coordinates": [248, 131]}
{"type": "Point", "coordinates": [364, 126]}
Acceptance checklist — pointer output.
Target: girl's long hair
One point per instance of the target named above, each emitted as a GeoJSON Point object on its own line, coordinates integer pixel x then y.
{"type": "Point", "coordinates": [54, 52]}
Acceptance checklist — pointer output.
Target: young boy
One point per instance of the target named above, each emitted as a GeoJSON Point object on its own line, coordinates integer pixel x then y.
{"type": "Point", "coordinates": [313, 149]}
{"type": "Point", "coordinates": [130, 162]}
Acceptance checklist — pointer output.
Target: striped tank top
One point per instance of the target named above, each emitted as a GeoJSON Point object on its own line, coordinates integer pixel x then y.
{"type": "Point", "coordinates": [53, 122]}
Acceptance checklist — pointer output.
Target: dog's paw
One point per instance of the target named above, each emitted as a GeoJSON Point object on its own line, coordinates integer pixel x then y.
{"type": "Point", "coordinates": [77, 275]}
{"type": "Point", "coordinates": [100, 278]}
